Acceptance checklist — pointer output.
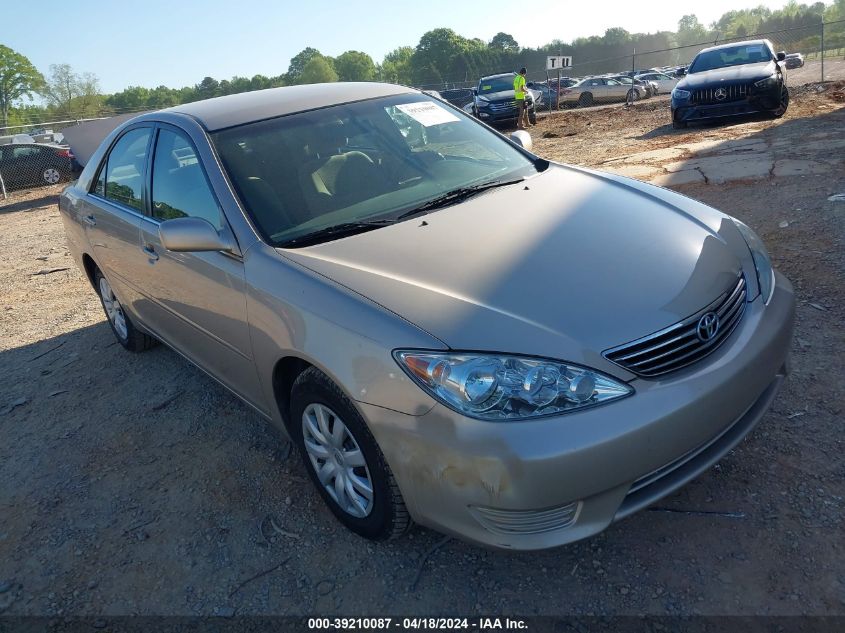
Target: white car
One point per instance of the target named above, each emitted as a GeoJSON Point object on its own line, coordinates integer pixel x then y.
{"type": "Point", "coordinates": [665, 83]}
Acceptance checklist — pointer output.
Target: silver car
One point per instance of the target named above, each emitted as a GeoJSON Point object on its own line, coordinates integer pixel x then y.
{"type": "Point", "coordinates": [600, 89]}
{"type": "Point", "coordinates": [445, 336]}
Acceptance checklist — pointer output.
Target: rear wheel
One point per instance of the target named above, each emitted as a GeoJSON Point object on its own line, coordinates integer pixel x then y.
{"type": "Point", "coordinates": [51, 176]}
{"type": "Point", "coordinates": [122, 326]}
{"type": "Point", "coordinates": [586, 99]}
{"type": "Point", "coordinates": [343, 459]}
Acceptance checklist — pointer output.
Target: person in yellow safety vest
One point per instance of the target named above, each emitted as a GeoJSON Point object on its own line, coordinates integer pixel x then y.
{"type": "Point", "coordinates": [521, 106]}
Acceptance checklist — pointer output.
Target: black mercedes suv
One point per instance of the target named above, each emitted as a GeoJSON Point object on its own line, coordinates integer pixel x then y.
{"type": "Point", "coordinates": [731, 80]}
{"type": "Point", "coordinates": [495, 100]}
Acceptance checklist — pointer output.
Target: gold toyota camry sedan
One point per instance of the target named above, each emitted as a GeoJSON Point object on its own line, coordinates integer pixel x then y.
{"type": "Point", "coordinates": [407, 295]}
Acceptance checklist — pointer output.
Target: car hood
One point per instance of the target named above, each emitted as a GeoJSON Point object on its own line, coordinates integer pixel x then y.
{"type": "Point", "coordinates": [744, 72]}
{"type": "Point", "coordinates": [565, 265]}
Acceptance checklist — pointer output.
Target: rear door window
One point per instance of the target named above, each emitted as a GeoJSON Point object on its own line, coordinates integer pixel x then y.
{"type": "Point", "coordinates": [122, 179]}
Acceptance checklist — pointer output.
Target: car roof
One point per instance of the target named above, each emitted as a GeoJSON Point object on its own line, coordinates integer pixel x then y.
{"type": "Point", "coordinates": [497, 76]}
{"type": "Point", "coordinates": [733, 44]}
{"type": "Point", "coordinates": [246, 107]}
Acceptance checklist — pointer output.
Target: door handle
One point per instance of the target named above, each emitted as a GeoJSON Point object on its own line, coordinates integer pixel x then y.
{"type": "Point", "coordinates": [90, 220]}
{"type": "Point", "coordinates": [150, 252]}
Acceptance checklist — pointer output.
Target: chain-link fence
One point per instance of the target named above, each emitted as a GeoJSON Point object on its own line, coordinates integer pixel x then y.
{"type": "Point", "coordinates": [814, 53]}
{"type": "Point", "coordinates": [32, 154]}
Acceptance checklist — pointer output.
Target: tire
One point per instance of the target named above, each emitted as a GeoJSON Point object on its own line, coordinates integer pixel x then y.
{"type": "Point", "coordinates": [784, 103]}
{"type": "Point", "coordinates": [532, 117]}
{"type": "Point", "coordinates": [679, 125]}
{"type": "Point", "coordinates": [586, 99]}
{"type": "Point", "coordinates": [318, 403]}
{"type": "Point", "coordinates": [124, 330]}
{"type": "Point", "coordinates": [632, 96]}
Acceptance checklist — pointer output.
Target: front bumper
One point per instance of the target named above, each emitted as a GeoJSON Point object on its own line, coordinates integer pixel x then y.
{"type": "Point", "coordinates": [686, 112]}
{"type": "Point", "coordinates": [507, 114]}
{"type": "Point", "coordinates": [548, 482]}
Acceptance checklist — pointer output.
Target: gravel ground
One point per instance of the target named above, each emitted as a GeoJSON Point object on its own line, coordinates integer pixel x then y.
{"type": "Point", "coordinates": [133, 484]}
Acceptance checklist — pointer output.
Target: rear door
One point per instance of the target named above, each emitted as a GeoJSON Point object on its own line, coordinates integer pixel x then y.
{"type": "Point", "coordinates": [112, 212]}
{"type": "Point", "coordinates": [194, 301]}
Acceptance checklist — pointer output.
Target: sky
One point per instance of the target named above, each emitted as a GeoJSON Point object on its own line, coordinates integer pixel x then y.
{"type": "Point", "coordinates": [178, 42]}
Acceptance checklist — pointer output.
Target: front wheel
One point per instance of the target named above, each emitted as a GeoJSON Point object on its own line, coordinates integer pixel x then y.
{"type": "Point", "coordinates": [343, 460]}
{"type": "Point", "coordinates": [632, 96]}
{"type": "Point", "coordinates": [532, 117]}
{"type": "Point", "coordinates": [784, 103]}
{"type": "Point", "coordinates": [586, 99]}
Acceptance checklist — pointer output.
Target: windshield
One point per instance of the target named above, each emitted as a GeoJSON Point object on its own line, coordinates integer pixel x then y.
{"type": "Point", "coordinates": [370, 161]}
{"type": "Point", "coordinates": [497, 84]}
{"type": "Point", "coordinates": [730, 56]}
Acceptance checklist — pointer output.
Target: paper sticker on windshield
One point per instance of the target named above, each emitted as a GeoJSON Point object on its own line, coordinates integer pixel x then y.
{"type": "Point", "coordinates": [754, 49]}
{"type": "Point", "coordinates": [486, 87]}
{"type": "Point", "coordinates": [427, 113]}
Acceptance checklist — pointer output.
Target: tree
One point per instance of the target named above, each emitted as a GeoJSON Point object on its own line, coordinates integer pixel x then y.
{"type": "Point", "coordinates": [208, 88]}
{"type": "Point", "coordinates": [396, 67]}
{"type": "Point", "coordinates": [298, 62]}
{"type": "Point", "coordinates": [503, 42]}
{"type": "Point", "coordinates": [317, 70]}
{"type": "Point", "coordinates": [690, 31]}
{"type": "Point", "coordinates": [355, 66]}
{"type": "Point", "coordinates": [18, 79]}
{"type": "Point", "coordinates": [71, 94]}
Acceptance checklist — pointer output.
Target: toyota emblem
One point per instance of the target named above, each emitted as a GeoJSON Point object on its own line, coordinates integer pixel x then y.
{"type": "Point", "coordinates": [708, 327]}
{"type": "Point", "coordinates": [721, 93]}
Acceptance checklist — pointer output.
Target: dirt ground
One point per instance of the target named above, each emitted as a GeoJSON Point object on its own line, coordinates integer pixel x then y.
{"type": "Point", "coordinates": [133, 484]}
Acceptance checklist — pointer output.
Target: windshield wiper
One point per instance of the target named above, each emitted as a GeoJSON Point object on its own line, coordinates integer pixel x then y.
{"type": "Point", "coordinates": [454, 196]}
{"type": "Point", "coordinates": [335, 231]}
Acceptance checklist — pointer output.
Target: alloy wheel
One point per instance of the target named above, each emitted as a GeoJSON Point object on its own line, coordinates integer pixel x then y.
{"type": "Point", "coordinates": [114, 311]}
{"type": "Point", "coordinates": [51, 176]}
{"type": "Point", "coordinates": [337, 460]}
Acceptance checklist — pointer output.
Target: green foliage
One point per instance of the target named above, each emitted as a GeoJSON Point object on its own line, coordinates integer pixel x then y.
{"type": "Point", "coordinates": [18, 79]}
{"type": "Point", "coordinates": [396, 67]}
{"type": "Point", "coordinates": [317, 70]}
{"type": "Point", "coordinates": [72, 95]}
{"type": "Point", "coordinates": [355, 66]}
{"type": "Point", "coordinates": [298, 62]}
{"type": "Point", "coordinates": [504, 42]}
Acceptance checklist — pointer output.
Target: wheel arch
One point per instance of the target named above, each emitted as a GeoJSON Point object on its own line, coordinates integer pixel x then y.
{"type": "Point", "coordinates": [89, 266]}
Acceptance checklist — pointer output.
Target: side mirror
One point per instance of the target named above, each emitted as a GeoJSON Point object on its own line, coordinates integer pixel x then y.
{"type": "Point", "coordinates": [781, 56]}
{"type": "Point", "coordinates": [523, 139]}
{"type": "Point", "coordinates": [680, 72]}
{"type": "Point", "coordinates": [475, 92]}
{"type": "Point", "coordinates": [182, 235]}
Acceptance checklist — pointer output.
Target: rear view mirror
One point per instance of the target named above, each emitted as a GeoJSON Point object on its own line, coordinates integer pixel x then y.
{"type": "Point", "coordinates": [522, 138]}
{"type": "Point", "coordinates": [781, 56]}
{"type": "Point", "coordinates": [182, 235]}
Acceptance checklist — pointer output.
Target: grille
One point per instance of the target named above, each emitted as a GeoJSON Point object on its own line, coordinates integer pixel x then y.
{"type": "Point", "coordinates": [680, 345]}
{"type": "Point", "coordinates": [527, 521]}
{"type": "Point", "coordinates": [501, 107]}
{"type": "Point", "coordinates": [733, 92]}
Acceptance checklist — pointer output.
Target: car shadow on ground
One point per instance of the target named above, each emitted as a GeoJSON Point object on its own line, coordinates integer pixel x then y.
{"type": "Point", "coordinates": [11, 204]}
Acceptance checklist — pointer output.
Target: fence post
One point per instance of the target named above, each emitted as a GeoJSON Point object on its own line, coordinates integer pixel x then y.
{"type": "Point", "coordinates": [3, 186]}
{"type": "Point", "coordinates": [822, 50]}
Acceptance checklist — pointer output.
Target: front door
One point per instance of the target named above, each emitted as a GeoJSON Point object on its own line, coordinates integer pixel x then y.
{"type": "Point", "coordinates": [194, 301]}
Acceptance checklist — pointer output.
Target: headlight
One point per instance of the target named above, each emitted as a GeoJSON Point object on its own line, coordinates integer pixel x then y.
{"type": "Point", "coordinates": [768, 82]}
{"type": "Point", "coordinates": [503, 387]}
{"type": "Point", "coordinates": [677, 93]}
{"type": "Point", "coordinates": [762, 262]}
